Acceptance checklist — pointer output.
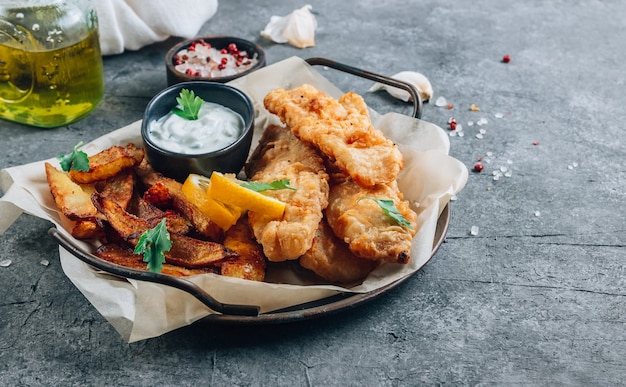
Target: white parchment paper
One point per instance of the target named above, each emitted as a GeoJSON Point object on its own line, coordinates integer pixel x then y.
{"type": "Point", "coordinates": [139, 310]}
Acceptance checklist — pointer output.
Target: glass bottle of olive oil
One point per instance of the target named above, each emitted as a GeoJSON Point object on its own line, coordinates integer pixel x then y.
{"type": "Point", "coordinates": [50, 61]}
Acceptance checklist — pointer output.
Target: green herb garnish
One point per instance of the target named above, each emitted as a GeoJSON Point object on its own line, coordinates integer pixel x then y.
{"type": "Point", "coordinates": [390, 209]}
{"type": "Point", "coordinates": [153, 244]}
{"type": "Point", "coordinates": [259, 186]}
{"type": "Point", "coordinates": [188, 105]}
{"type": "Point", "coordinates": [76, 160]}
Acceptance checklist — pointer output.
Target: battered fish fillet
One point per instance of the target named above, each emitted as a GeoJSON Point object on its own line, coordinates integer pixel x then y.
{"type": "Point", "coordinates": [330, 258]}
{"type": "Point", "coordinates": [341, 129]}
{"type": "Point", "coordinates": [280, 155]}
{"type": "Point", "coordinates": [362, 224]}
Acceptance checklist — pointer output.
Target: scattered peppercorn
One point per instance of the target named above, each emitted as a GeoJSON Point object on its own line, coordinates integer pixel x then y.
{"type": "Point", "coordinates": [506, 58]}
{"type": "Point", "coordinates": [478, 167]}
{"type": "Point", "coordinates": [536, 143]}
{"type": "Point", "coordinates": [449, 106]}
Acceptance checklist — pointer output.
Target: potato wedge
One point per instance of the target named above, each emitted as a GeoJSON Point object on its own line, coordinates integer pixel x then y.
{"type": "Point", "coordinates": [250, 264]}
{"type": "Point", "coordinates": [195, 253]}
{"type": "Point", "coordinates": [176, 223]}
{"type": "Point", "coordinates": [128, 226]}
{"type": "Point", "coordinates": [120, 256]}
{"type": "Point", "coordinates": [108, 163]}
{"type": "Point", "coordinates": [120, 188]}
{"type": "Point", "coordinates": [69, 196]}
{"type": "Point", "coordinates": [87, 229]}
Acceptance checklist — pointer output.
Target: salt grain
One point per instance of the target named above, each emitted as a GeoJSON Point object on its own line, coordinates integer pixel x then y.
{"type": "Point", "coordinates": [482, 131]}
{"type": "Point", "coordinates": [499, 115]}
{"type": "Point", "coordinates": [441, 102]}
{"type": "Point", "coordinates": [470, 123]}
{"type": "Point", "coordinates": [482, 121]}
{"type": "Point", "coordinates": [479, 136]}
{"type": "Point", "coordinates": [474, 230]}
{"type": "Point", "coordinates": [5, 263]}
{"type": "Point", "coordinates": [537, 213]}
{"type": "Point", "coordinates": [44, 262]}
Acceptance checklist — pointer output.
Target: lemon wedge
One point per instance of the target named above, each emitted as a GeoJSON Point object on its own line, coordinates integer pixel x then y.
{"type": "Point", "coordinates": [196, 190]}
{"type": "Point", "coordinates": [227, 189]}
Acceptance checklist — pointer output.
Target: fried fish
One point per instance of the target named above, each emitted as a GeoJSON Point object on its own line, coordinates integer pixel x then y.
{"type": "Point", "coordinates": [342, 131]}
{"type": "Point", "coordinates": [280, 155]}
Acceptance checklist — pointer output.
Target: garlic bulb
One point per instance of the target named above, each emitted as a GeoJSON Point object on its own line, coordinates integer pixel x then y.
{"type": "Point", "coordinates": [417, 80]}
{"type": "Point", "coordinates": [297, 28]}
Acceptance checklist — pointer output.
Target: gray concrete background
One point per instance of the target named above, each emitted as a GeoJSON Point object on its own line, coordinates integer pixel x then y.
{"type": "Point", "coordinates": [536, 298]}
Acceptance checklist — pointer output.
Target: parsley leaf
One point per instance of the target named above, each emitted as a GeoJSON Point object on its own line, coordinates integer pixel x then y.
{"type": "Point", "coordinates": [260, 186]}
{"type": "Point", "coordinates": [153, 243]}
{"type": "Point", "coordinates": [390, 209]}
{"type": "Point", "coordinates": [188, 105]}
{"type": "Point", "coordinates": [76, 160]}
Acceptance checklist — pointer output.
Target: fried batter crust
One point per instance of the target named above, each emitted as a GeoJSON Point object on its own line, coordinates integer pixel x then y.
{"type": "Point", "coordinates": [280, 155]}
{"type": "Point", "coordinates": [341, 129]}
{"type": "Point", "coordinates": [363, 225]}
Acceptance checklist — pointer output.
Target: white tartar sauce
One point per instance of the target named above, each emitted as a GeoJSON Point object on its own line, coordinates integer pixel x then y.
{"type": "Point", "coordinates": [216, 127]}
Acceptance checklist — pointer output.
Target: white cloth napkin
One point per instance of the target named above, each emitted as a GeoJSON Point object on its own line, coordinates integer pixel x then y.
{"type": "Point", "coordinates": [132, 24]}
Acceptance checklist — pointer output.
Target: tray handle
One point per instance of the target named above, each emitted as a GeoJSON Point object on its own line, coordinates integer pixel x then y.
{"type": "Point", "coordinates": [415, 96]}
{"type": "Point", "coordinates": [178, 283]}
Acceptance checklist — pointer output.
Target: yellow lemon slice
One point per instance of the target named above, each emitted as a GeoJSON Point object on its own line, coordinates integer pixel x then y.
{"type": "Point", "coordinates": [226, 189]}
{"type": "Point", "coordinates": [195, 189]}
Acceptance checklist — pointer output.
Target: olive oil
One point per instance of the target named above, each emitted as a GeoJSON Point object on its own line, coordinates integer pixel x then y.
{"type": "Point", "coordinates": [50, 73]}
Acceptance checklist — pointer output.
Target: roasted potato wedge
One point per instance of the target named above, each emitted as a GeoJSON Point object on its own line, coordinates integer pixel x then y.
{"type": "Point", "coordinates": [120, 188]}
{"type": "Point", "coordinates": [250, 264]}
{"type": "Point", "coordinates": [125, 257]}
{"type": "Point", "coordinates": [176, 223]}
{"type": "Point", "coordinates": [194, 253]}
{"type": "Point", "coordinates": [109, 163]}
{"type": "Point", "coordinates": [69, 196]}
{"type": "Point", "coordinates": [87, 229]}
{"type": "Point", "coordinates": [127, 225]}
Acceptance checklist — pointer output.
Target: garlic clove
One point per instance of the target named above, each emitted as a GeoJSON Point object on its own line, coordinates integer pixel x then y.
{"type": "Point", "coordinates": [417, 80]}
{"type": "Point", "coordinates": [297, 28]}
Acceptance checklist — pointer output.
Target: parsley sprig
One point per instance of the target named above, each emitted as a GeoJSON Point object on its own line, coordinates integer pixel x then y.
{"type": "Point", "coordinates": [389, 208]}
{"type": "Point", "coordinates": [77, 160]}
{"type": "Point", "coordinates": [188, 105]}
{"type": "Point", "coordinates": [259, 186]}
{"type": "Point", "coordinates": [153, 244]}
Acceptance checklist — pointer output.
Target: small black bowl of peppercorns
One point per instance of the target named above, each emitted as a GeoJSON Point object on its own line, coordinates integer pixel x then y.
{"type": "Point", "coordinates": [212, 58]}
